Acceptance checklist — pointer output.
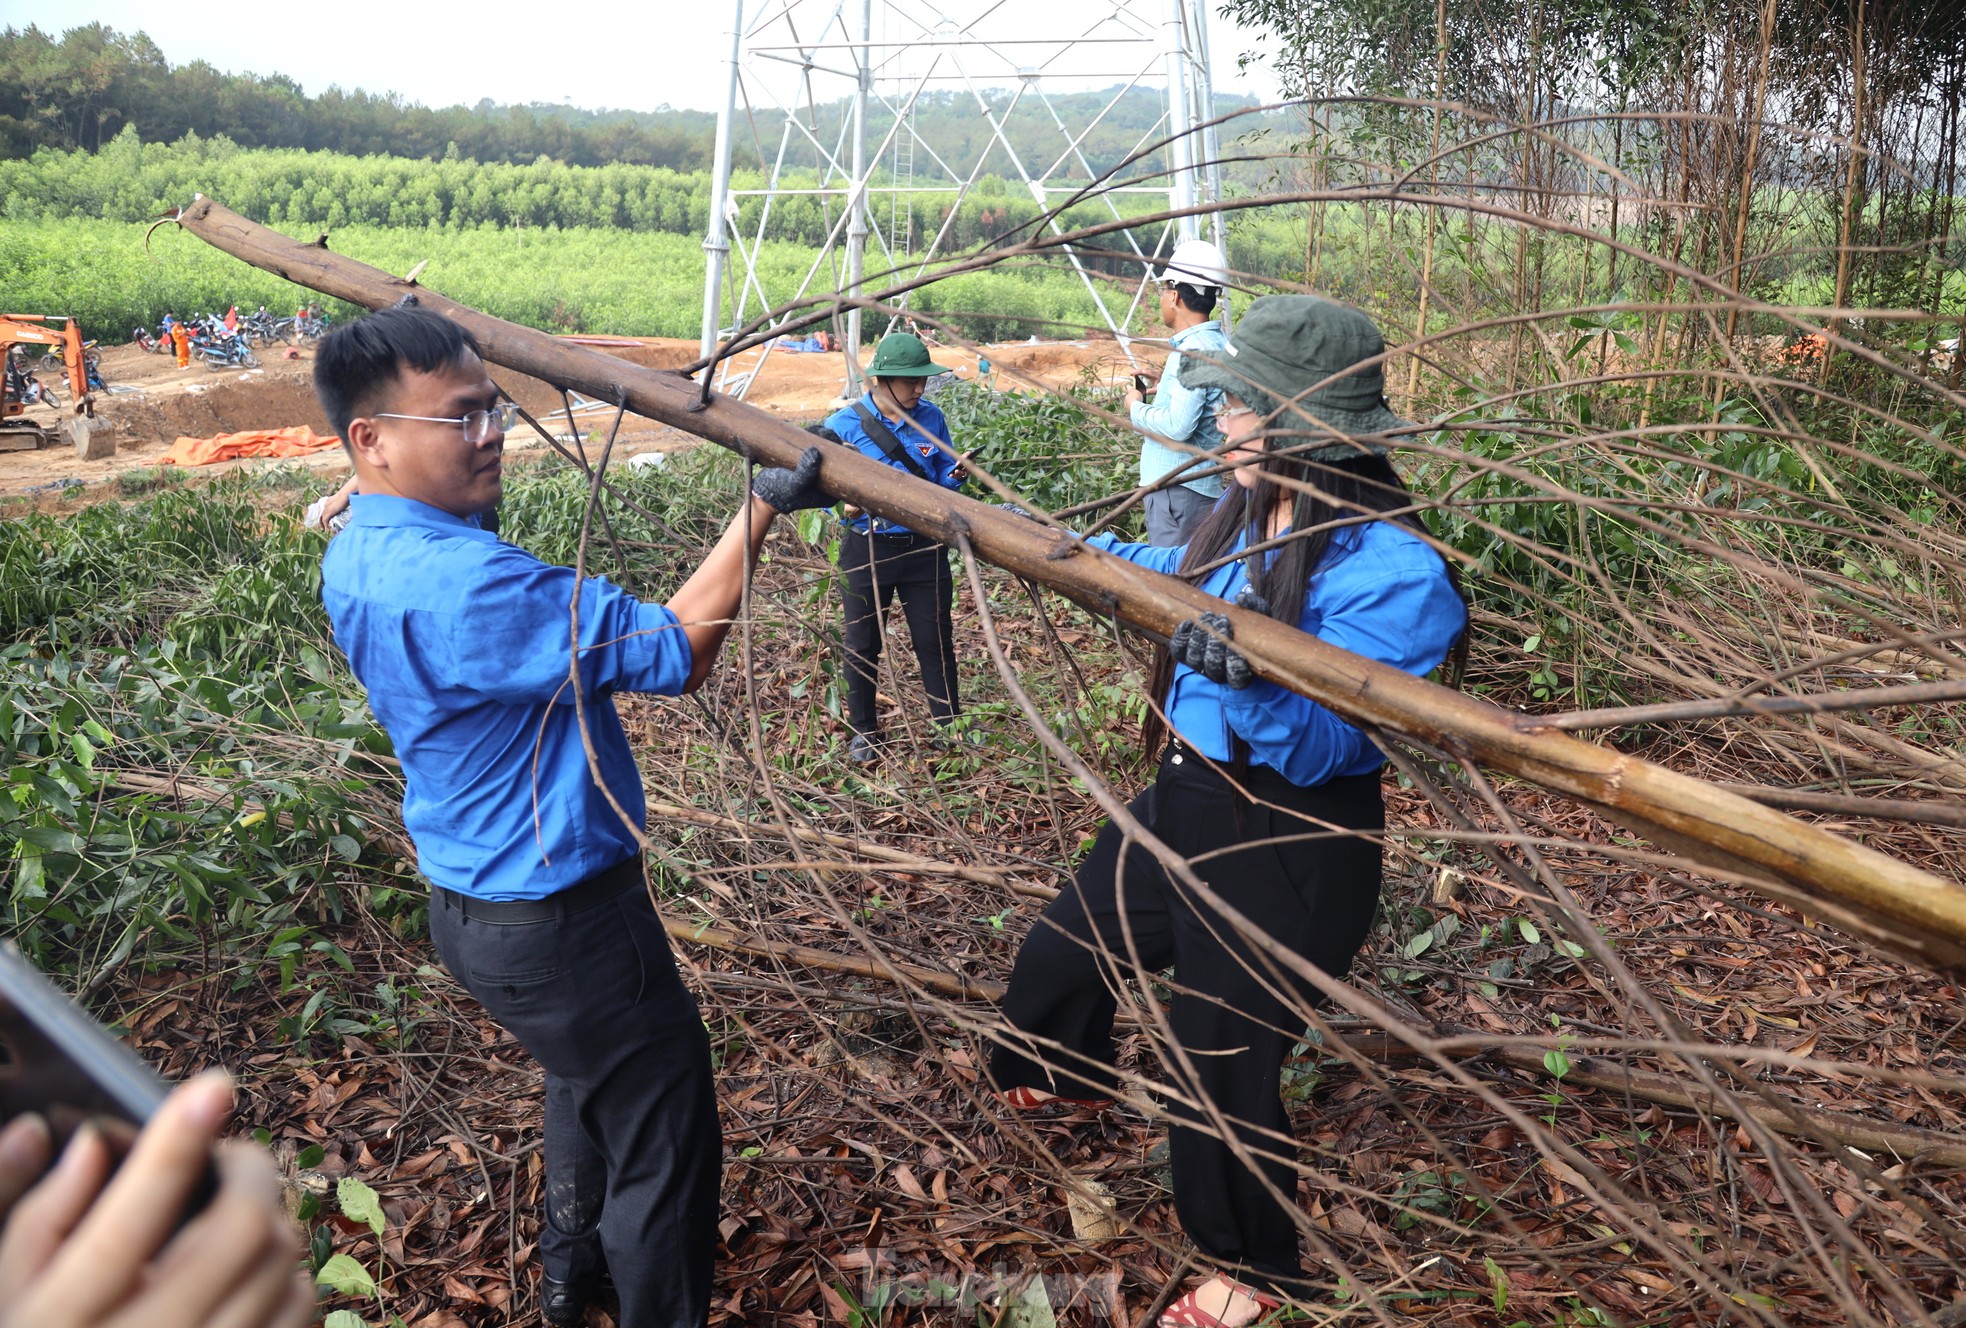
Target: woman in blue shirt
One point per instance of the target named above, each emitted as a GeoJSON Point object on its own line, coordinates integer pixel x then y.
{"type": "Point", "coordinates": [1272, 799]}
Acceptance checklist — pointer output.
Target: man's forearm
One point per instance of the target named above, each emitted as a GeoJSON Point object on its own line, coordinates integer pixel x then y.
{"type": "Point", "coordinates": [1173, 414]}
{"type": "Point", "coordinates": [706, 603]}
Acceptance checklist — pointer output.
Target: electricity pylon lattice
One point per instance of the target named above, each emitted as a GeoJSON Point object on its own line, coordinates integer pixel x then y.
{"type": "Point", "coordinates": [825, 93]}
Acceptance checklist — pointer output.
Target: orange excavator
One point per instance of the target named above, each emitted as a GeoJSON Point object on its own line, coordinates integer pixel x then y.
{"type": "Point", "coordinates": [17, 432]}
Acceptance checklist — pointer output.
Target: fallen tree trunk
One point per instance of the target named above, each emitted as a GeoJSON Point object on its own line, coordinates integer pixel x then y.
{"type": "Point", "coordinates": [1886, 902]}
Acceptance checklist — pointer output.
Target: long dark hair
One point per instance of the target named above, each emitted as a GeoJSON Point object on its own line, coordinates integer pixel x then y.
{"type": "Point", "coordinates": [1337, 495]}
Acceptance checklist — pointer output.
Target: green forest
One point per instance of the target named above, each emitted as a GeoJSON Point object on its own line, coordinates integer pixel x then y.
{"type": "Point", "coordinates": [85, 87]}
{"type": "Point", "coordinates": [131, 180]}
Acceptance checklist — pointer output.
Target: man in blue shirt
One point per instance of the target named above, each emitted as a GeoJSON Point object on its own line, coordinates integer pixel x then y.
{"type": "Point", "coordinates": [893, 424]}
{"type": "Point", "coordinates": [523, 799]}
{"type": "Point", "coordinates": [1190, 283]}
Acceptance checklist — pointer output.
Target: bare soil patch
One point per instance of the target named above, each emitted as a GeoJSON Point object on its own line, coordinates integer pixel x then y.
{"type": "Point", "coordinates": [152, 402]}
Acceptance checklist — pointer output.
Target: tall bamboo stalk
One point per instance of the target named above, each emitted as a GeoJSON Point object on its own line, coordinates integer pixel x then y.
{"type": "Point", "coordinates": [1850, 179]}
{"type": "Point", "coordinates": [1314, 215]}
{"type": "Point", "coordinates": [1433, 213]}
{"type": "Point", "coordinates": [1758, 107]}
{"type": "Point", "coordinates": [1683, 132]}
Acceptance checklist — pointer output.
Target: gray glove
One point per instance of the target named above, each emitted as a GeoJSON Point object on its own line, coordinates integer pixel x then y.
{"type": "Point", "coordinates": [1246, 598]}
{"type": "Point", "coordinates": [793, 490]}
{"type": "Point", "coordinates": [1204, 647]}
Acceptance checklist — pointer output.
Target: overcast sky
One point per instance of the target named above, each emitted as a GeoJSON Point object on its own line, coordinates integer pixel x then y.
{"type": "Point", "coordinates": [594, 53]}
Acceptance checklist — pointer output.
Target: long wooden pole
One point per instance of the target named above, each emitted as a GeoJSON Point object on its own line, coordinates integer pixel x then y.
{"type": "Point", "coordinates": [1887, 902]}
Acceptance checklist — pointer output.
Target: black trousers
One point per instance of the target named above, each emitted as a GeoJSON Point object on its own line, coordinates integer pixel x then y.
{"type": "Point", "coordinates": [1236, 1013]}
{"type": "Point", "coordinates": [633, 1148]}
{"type": "Point", "coordinates": [873, 570]}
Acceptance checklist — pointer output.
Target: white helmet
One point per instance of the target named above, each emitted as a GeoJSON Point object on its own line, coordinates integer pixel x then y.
{"type": "Point", "coordinates": [1195, 263]}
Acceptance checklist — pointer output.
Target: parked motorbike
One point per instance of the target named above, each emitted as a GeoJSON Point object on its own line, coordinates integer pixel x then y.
{"type": "Point", "coordinates": [225, 351]}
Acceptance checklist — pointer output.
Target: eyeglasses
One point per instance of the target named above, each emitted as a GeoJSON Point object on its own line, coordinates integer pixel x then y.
{"type": "Point", "coordinates": [478, 424]}
{"type": "Point", "coordinates": [1223, 410]}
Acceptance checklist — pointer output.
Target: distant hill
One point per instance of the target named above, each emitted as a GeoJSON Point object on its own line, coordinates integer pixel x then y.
{"type": "Point", "coordinates": [79, 91]}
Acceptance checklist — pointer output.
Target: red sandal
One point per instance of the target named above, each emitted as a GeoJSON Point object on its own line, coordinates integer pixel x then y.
{"type": "Point", "coordinates": [1187, 1313]}
{"type": "Point", "coordinates": [1026, 1099]}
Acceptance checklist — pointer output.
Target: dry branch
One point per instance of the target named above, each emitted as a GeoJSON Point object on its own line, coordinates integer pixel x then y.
{"type": "Point", "coordinates": [1933, 812]}
{"type": "Point", "coordinates": [831, 961]}
{"type": "Point", "coordinates": [1792, 1119]}
{"type": "Point", "coordinates": [1864, 698]}
{"type": "Point", "coordinates": [900, 861]}
{"type": "Point", "coordinates": [1888, 903]}
{"type": "Point", "coordinates": [1900, 1141]}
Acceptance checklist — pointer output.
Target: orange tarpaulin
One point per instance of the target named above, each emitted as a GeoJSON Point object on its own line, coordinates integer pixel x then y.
{"type": "Point", "coordinates": [297, 441]}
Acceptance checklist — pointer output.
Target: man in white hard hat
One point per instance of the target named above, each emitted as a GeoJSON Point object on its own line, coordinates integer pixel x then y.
{"type": "Point", "coordinates": [1190, 284]}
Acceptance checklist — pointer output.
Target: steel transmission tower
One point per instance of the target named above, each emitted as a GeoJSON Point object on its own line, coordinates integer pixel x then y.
{"type": "Point", "coordinates": [824, 93]}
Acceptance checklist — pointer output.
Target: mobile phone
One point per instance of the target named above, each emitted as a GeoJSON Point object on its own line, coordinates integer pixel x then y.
{"type": "Point", "coordinates": [1142, 383]}
{"type": "Point", "coordinates": [58, 1062]}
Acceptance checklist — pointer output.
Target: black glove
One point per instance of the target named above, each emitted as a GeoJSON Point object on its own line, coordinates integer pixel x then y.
{"type": "Point", "coordinates": [1247, 598]}
{"type": "Point", "coordinates": [1204, 647]}
{"type": "Point", "coordinates": [793, 490]}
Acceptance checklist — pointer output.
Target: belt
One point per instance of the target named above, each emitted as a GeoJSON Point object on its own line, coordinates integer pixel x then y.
{"type": "Point", "coordinates": [894, 535]}
{"type": "Point", "coordinates": [599, 888]}
{"type": "Point", "coordinates": [1181, 754]}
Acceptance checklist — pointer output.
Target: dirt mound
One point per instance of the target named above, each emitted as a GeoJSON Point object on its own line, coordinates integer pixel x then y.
{"type": "Point", "coordinates": [1048, 358]}
{"type": "Point", "coordinates": [657, 353]}
{"type": "Point", "coordinates": [265, 399]}
{"type": "Point", "coordinates": [152, 402]}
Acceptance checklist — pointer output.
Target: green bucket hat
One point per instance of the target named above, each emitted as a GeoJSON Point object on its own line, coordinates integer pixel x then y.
{"type": "Point", "coordinates": [902, 355]}
{"type": "Point", "coordinates": [1287, 344]}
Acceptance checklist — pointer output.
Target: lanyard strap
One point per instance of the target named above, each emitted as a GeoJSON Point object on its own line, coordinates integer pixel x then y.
{"type": "Point", "coordinates": [878, 431]}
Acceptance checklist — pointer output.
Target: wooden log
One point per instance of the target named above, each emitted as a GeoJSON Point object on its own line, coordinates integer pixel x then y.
{"type": "Point", "coordinates": [1888, 903]}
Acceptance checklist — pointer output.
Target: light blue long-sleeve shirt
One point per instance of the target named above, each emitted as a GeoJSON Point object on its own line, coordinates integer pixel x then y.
{"type": "Point", "coordinates": [1380, 592]}
{"type": "Point", "coordinates": [1181, 413]}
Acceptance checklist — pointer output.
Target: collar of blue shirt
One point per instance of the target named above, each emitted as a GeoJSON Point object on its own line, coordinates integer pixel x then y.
{"type": "Point", "coordinates": [1187, 334]}
{"type": "Point", "coordinates": [386, 509]}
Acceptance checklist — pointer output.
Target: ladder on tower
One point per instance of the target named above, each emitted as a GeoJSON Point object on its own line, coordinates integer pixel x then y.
{"type": "Point", "coordinates": [901, 217]}
{"type": "Point", "coordinates": [901, 202]}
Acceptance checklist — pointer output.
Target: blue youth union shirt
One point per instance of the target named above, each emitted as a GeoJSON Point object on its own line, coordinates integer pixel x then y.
{"type": "Point", "coordinates": [463, 645]}
{"type": "Point", "coordinates": [926, 438]}
{"type": "Point", "coordinates": [1380, 592]}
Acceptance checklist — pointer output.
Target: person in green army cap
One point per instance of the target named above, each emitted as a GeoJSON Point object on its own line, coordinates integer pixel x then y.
{"type": "Point", "coordinates": [894, 424]}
